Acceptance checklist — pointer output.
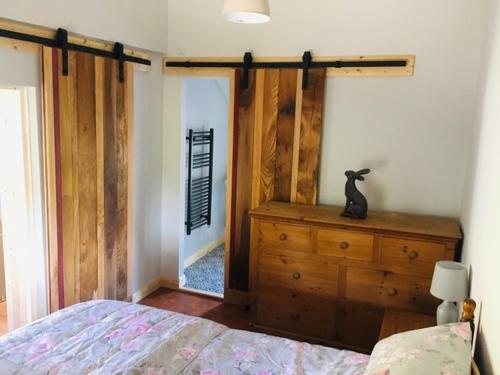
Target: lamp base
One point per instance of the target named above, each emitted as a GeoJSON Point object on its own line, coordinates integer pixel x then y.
{"type": "Point", "coordinates": [447, 312]}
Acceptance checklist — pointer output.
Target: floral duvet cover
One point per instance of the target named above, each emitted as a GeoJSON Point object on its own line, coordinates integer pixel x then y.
{"type": "Point", "coordinates": [112, 337]}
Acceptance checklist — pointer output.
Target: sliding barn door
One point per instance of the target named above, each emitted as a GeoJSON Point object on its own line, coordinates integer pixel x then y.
{"type": "Point", "coordinates": [276, 144]}
{"type": "Point", "coordinates": [87, 117]}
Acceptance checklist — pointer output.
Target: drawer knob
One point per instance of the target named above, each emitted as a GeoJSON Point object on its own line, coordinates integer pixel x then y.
{"type": "Point", "coordinates": [296, 275]}
{"type": "Point", "coordinates": [392, 292]}
{"type": "Point", "coordinates": [413, 255]}
{"type": "Point", "coordinates": [344, 245]}
{"type": "Point", "coordinates": [283, 236]}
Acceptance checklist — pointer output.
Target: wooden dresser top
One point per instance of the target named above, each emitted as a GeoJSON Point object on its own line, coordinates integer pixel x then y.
{"type": "Point", "coordinates": [384, 221]}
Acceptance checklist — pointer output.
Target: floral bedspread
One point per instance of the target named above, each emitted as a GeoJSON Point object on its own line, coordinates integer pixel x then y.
{"type": "Point", "coordinates": [242, 353]}
{"type": "Point", "coordinates": [112, 337]}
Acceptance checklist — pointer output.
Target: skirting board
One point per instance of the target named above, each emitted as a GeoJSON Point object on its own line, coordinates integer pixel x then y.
{"type": "Point", "coordinates": [203, 251]}
{"type": "Point", "coordinates": [160, 282]}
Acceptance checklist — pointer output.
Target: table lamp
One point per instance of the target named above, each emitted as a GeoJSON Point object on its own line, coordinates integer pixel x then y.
{"type": "Point", "coordinates": [449, 283]}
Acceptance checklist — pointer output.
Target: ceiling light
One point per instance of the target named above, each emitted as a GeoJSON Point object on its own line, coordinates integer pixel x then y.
{"type": "Point", "coordinates": [246, 11]}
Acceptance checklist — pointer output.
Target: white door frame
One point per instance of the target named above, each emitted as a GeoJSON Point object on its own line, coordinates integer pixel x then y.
{"type": "Point", "coordinates": [25, 248]}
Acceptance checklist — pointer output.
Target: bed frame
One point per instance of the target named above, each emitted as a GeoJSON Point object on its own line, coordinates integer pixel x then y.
{"type": "Point", "coordinates": [468, 308]}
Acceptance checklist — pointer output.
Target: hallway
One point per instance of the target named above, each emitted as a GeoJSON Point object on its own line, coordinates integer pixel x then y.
{"type": "Point", "coordinates": [207, 273]}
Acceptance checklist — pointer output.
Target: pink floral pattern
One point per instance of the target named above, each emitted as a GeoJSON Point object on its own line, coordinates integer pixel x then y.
{"type": "Point", "coordinates": [108, 337]}
{"type": "Point", "coordinates": [444, 350]}
{"type": "Point", "coordinates": [241, 353]}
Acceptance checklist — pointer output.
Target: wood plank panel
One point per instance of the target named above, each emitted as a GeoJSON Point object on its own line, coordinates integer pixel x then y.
{"type": "Point", "coordinates": [284, 126]}
{"type": "Point", "coordinates": [99, 118]}
{"type": "Point", "coordinates": [87, 177]}
{"type": "Point", "coordinates": [95, 115]}
{"type": "Point", "coordinates": [296, 137]}
{"type": "Point", "coordinates": [49, 161]}
{"type": "Point", "coordinates": [269, 134]}
{"type": "Point", "coordinates": [122, 183]}
{"type": "Point", "coordinates": [69, 168]}
{"type": "Point", "coordinates": [284, 140]}
{"type": "Point", "coordinates": [242, 186]}
{"type": "Point", "coordinates": [310, 136]}
{"type": "Point", "coordinates": [110, 178]}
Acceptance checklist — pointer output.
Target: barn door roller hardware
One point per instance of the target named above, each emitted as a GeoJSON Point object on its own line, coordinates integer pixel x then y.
{"type": "Point", "coordinates": [306, 64]}
{"type": "Point", "coordinates": [118, 50]}
{"type": "Point", "coordinates": [61, 41]}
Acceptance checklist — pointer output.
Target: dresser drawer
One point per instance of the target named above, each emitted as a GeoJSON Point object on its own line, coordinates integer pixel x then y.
{"type": "Point", "coordinates": [389, 289]}
{"type": "Point", "coordinates": [345, 244]}
{"type": "Point", "coordinates": [293, 311]}
{"type": "Point", "coordinates": [285, 237]}
{"type": "Point", "coordinates": [317, 278]}
{"type": "Point", "coordinates": [415, 257]}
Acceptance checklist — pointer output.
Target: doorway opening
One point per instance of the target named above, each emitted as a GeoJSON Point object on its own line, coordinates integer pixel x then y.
{"type": "Point", "coordinates": [23, 257]}
{"type": "Point", "coordinates": [204, 114]}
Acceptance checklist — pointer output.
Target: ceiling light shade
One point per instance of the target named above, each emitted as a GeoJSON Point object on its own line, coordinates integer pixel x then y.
{"type": "Point", "coordinates": [246, 11]}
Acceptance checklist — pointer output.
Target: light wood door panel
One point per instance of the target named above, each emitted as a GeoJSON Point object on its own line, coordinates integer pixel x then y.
{"type": "Point", "coordinates": [305, 185]}
{"type": "Point", "coordinates": [276, 144]}
{"type": "Point", "coordinates": [88, 133]}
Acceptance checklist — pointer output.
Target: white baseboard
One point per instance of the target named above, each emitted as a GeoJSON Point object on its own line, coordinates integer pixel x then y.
{"type": "Point", "coordinates": [203, 251]}
{"type": "Point", "coordinates": [159, 282]}
{"type": "Point", "coordinates": [147, 290]}
{"type": "Point", "coordinates": [182, 281]}
{"type": "Point", "coordinates": [203, 292]}
{"type": "Point", "coordinates": [169, 283]}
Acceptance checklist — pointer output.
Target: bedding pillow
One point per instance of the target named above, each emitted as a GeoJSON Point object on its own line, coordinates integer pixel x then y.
{"type": "Point", "coordinates": [443, 350]}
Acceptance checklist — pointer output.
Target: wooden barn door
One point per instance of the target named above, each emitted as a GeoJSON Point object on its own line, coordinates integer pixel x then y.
{"type": "Point", "coordinates": [87, 117]}
{"type": "Point", "coordinates": [276, 144]}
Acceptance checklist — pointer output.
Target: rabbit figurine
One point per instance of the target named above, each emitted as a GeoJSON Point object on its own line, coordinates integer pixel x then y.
{"type": "Point", "coordinates": [356, 205]}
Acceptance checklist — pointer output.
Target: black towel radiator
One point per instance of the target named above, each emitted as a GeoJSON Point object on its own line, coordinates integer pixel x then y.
{"type": "Point", "coordinates": [199, 189]}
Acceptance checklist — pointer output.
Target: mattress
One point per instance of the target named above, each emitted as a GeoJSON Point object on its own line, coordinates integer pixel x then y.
{"type": "Point", "coordinates": [112, 337]}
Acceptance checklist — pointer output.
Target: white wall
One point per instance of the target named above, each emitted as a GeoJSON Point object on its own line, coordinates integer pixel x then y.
{"type": "Point", "coordinates": [22, 68]}
{"type": "Point", "coordinates": [480, 215]}
{"type": "Point", "coordinates": [136, 23]}
{"type": "Point", "coordinates": [2, 264]}
{"type": "Point", "coordinates": [173, 182]}
{"type": "Point", "coordinates": [205, 106]}
{"type": "Point", "coordinates": [19, 67]}
{"type": "Point", "coordinates": [412, 131]}
{"type": "Point", "coordinates": [145, 225]}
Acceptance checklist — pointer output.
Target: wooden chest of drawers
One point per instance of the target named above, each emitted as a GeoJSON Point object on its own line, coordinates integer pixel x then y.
{"type": "Point", "coordinates": [321, 277]}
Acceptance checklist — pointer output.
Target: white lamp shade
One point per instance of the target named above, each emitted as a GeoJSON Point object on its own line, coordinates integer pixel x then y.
{"type": "Point", "coordinates": [449, 282]}
{"type": "Point", "coordinates": [246, 11]}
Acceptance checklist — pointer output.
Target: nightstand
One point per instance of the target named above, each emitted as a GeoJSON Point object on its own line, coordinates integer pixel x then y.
{"type": "Point", "coordinates": [396, 321]}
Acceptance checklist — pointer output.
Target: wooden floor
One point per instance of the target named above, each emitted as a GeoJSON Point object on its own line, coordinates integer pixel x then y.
{"type": "Point", "coordinates": [236, 317]}
{"type": "Point", "coordinates": [3, 318]}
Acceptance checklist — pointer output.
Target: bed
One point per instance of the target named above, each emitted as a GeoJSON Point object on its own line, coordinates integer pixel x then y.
{"type": "Point", "coordinates": [103, 337]}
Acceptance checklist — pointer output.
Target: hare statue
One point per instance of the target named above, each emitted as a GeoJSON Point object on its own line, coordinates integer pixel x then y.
{"type": "Point", "coordinates": [356, 205]}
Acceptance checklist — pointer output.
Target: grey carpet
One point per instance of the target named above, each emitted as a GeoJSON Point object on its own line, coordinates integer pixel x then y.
{"type": "Point", "coordinates": [207, 273]}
